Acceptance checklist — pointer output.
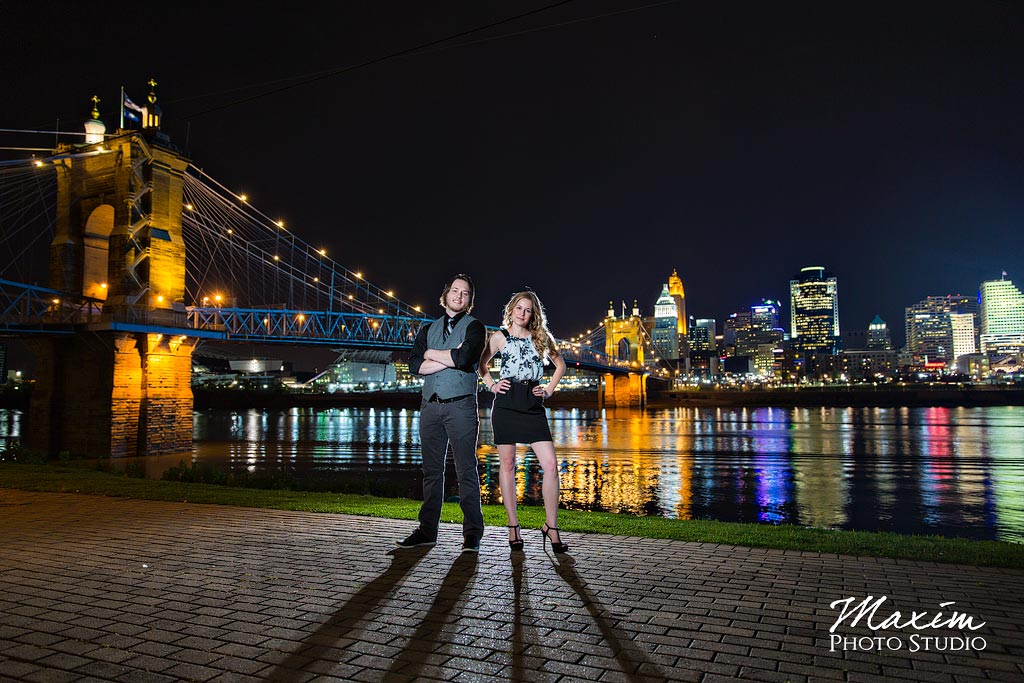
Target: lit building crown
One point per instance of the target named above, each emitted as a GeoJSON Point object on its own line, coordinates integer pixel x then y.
{"type": "Point", "coordinates": [675, 289]}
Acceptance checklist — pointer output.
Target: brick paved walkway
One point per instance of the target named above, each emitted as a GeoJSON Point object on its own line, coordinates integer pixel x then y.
{"type": "Point", "coordinates": [107, 589]}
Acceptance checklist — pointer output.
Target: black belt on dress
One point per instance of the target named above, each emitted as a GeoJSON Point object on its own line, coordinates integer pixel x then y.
{"type": "Point", "coordinates": [436, 399]}
{"type": "Point", "coordinates": [527, 382]}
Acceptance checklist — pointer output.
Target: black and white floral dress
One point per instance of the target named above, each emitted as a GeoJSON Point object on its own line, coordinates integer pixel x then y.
{"type": "Point", "coordinates": [517, 415]}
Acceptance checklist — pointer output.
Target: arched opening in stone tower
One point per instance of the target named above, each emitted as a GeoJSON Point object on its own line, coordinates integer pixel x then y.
{"type": "Point", "coordinates": [96, 239]}
{"type": "Point", "coordinates": [624, 349]}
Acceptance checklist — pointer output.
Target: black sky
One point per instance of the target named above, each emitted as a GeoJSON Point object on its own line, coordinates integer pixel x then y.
{"type": "Point", "coordinates": [585, 157]}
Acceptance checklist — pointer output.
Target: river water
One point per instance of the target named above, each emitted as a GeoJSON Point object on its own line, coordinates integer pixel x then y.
{"type": "Point", "coordinates": [949, 471]}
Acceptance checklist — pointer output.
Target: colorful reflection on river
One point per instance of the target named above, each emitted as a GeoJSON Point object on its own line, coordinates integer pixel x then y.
{"type": "Point", "coordinates": [950, 471]}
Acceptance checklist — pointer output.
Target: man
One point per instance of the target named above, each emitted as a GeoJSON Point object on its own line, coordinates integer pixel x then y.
{"type": "Point", "coordinates": [446, 354]}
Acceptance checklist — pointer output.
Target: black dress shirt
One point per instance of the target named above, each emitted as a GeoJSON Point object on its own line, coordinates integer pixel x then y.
{"type": "Point", "coordinates": [465, 357]}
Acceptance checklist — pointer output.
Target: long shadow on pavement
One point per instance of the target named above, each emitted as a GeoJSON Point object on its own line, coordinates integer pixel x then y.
{"type": "Point", "coordinates": [331, 636]}
{"type": "Point", "coordinates": [422, 643]}
{"type": "Point", "coordinates": [518, 588]}
{"type": "Point", "coordinates": [629, 656]}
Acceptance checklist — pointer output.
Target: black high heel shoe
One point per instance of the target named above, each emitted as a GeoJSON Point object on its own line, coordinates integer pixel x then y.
{"type": "Point", "coordinates": [517, 542]}
{"type": "Point", "coordinates": [557, 546]}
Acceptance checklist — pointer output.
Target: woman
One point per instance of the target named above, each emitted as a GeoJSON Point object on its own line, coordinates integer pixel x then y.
{"type": "Point", "coordinates": [518, 416]}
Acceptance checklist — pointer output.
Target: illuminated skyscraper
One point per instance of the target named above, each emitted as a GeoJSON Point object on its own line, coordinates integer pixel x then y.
{"type": "Point", "coordinates": [814, 311]}
{"type": "Point", "coordinates": [734, 330]}
{"type": "Point", "coordinates": [964, 332]}
{"type": "Point", "coordinates": [764, 336]}
{"type": "Point", "coordinates": [665, 334]}
{"type": "Point", "coordinates": [702, 335]}
{"type": "Point", "coordinates": [675, 289]}
{"type": "Point", "coordinates": [930, 328]}
{"type": "Point", "coordinates": [765, 315]}
{"type": "Point", "coordinates": [1002, 317]}
{"type": "Point", "coordinates": [878, 335]}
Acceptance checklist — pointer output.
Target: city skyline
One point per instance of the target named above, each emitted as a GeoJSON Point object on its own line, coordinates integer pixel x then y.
{"type": "Point", "coordinates": [896, 324]}
{"type": "Point", "coordinates": [616, 140]}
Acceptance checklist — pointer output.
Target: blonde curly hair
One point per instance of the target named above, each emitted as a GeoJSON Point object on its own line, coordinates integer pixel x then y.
{"type": "Point", "coordinates": [541, 336]}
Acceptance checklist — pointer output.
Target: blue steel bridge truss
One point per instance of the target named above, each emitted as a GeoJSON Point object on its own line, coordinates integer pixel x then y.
{"type": "Point", "coordinates": [37, 310]}
{"type": "Point", "coordinates": [356, 330]}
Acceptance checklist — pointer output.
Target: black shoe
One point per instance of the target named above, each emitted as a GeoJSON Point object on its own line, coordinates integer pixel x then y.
{"type": "Point", "coordinates": [517, 542]}
{"type": "Point", "coordinates": [471, 544]}
{"type": "Point", "coordinates": [416, 539]}
{"type": "Point", "coordinates": [557, 546]}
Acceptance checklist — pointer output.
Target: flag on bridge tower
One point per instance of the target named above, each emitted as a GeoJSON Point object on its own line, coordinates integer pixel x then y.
{"type": "Point", "coordinates": [129, 110]}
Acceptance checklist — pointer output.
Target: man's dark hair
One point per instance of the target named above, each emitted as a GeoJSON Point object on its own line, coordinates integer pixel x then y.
{"type": "Point", "coordinates": [448, 286]}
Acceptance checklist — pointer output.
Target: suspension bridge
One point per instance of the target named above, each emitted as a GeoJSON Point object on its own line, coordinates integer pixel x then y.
{"type": "Point", "coordinates": [145, 255]}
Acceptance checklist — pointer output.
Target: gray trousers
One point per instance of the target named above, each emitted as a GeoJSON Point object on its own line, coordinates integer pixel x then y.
{"type": "Point", "coordinates": [458, 423]}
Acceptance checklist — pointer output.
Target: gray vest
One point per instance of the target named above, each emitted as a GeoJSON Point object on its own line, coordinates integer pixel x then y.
{"type": "Point", "coordinates": [449, 382]}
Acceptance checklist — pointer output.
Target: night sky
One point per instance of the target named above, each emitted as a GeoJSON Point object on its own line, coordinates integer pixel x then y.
{"type": "Point", "coordinates": [586, 150]}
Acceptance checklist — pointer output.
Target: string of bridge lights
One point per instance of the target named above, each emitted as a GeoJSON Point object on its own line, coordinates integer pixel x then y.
{"type": "Point", "coordinates": [230, 205]}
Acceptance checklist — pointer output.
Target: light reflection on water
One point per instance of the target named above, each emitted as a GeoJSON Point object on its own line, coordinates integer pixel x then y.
{"type": "Point", "coordinates": [953, 471]}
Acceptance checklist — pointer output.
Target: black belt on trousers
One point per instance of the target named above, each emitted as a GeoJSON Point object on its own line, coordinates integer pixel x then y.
{"type": "Point", "coordinates": [436, 399]}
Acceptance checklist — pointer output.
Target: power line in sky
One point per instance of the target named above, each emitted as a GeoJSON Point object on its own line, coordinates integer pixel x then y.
{"type": "Point", "coordinates": [424, 48]}
{"type": "Point", "coordinates": [377, 60]}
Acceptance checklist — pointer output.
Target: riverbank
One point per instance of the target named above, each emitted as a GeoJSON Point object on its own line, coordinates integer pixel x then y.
{"type": "Point", "coordinates": [241, 400]}
{"type": "Point", "coordinates": [72, 479]}
{"type": "Point", "coordinates": [883, 396]}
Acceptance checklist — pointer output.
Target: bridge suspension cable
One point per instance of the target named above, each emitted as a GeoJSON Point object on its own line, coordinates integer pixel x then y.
{"type": "Point", "coordinates": [237, 252]}
{"type": "Point", "coordinates": [234, 251]}
{"type": "Point", "coordinates": [28, 199]}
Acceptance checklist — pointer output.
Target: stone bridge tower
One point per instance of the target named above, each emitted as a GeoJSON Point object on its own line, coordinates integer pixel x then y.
{"type": "Point", "coordinates": [121, 387]}
{"type": "Point", "coordinates": [624, 342]}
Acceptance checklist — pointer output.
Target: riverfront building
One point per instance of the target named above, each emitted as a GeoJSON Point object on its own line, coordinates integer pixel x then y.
{"type": "Point", "coordinates": [359, 370]}
{"type": "Point", "coordinates": [965, 333]}
{"type": "Point", "coordinates": [940, 329]}
{"type": "Point", "coordinates": [868, 354]}
{"type": "Point", "coordinates": [875, 337]}
{"type": "Point", "coordinates": [814, 311]}
{"type": "Point", "coordinates": [878, 335]}
{"type": "Point", "coordinates": [1002, 317]}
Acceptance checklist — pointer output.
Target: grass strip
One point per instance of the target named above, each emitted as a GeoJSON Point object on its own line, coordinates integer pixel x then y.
{"type": "Point", "coordinates": [71, 479]}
